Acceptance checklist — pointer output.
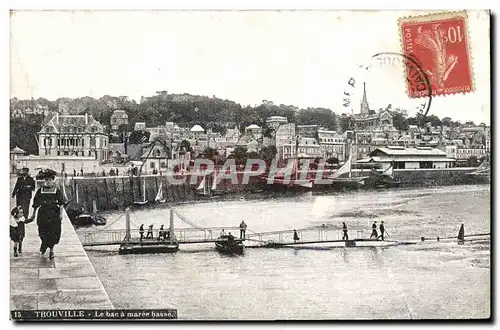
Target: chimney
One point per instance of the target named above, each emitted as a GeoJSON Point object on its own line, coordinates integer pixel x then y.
{"type": "Point", "coordinates": [86, 119]}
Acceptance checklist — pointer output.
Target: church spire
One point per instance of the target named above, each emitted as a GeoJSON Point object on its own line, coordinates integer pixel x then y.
{"type": "Point", "coordinates": [365, 109]}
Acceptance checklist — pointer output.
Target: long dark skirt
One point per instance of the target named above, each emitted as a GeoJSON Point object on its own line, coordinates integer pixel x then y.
{"type": "Point", "coordinates": [17, 233]}
{"type": "Point", "coordinates": [49, 232]}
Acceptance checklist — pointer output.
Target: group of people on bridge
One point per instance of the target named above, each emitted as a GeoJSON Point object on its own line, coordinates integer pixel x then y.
{"type": "Point", "coordinates": [374, 234]}
{"type": "Point", "coordinates": [163, 234]}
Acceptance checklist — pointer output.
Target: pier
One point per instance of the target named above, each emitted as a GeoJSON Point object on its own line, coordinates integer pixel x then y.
{"type": "Point", "coordinates": [69, 281]}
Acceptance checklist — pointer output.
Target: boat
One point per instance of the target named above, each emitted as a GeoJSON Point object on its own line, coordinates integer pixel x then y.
{"type": "Point", "coordinates": [293, 182]}
{"type": "Point", "coordinates": [203, 190]}
{"type": "Point", "coordinates": [382, 180]}
{"type": "Point", "coordinates": [99, 220]}
{"type": "Point", "coordinates": [225, 244]}
{"type": "Point", "coordinates": [82, 220]}
{"type": "Point", "coordinates": [347, 182]}
{"type": "Point", "coordinates": [483, 171]}
{"type": "Point", "coordinates": [144, 201]}
{"type": "Point", "coordinates": [159, 196]}
{"type": "Point", "coordinates": [145, 246]}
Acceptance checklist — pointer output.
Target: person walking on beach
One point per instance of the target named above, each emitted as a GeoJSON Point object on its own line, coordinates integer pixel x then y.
{"type": "Point", "coordinates": [17, 231]}
{"type": "Point", "coordinates": [74, 172]}
{"type": "Point", "coordinates": [382, 230]}
{"type": "Point", "coordinates": [23, 190]}
{"type": "Point", "coordinates": [461, 233]}
{"type": "Point", "coordinates": [374, 231]}
{"type": "Point", "coordinates": [243, 228]}
{"type": "Point", "coordinates": [296, 237]}
{"type": "Point", "coordinates": [141, 231]}
{"type": "Point", "coordinates": [344, 229]}
{"type": "Point", "coordinates": [150, 232]}
{"type": "Point", "coordinates": [48, 203]}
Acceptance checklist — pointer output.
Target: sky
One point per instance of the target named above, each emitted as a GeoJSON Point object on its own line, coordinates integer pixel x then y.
{"type": "Point", "coordinates": [301, 58]}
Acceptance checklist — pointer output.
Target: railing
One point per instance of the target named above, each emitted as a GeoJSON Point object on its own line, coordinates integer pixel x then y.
{"type": "Point", "coordinates": [194, 235]}
{"type": "Point", "coordinates": [305, 235]}
{"type": "Point", "coordinates": [184, 235]}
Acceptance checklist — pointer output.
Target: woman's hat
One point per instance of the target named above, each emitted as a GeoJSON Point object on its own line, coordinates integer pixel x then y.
{"type": "Point", "coordinates": [15, 211]}
{"type": "Point", "coordinates": [47, 174]}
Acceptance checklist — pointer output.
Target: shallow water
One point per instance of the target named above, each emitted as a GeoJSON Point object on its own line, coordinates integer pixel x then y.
{"type": "Point", "coordinates": [427, 280]}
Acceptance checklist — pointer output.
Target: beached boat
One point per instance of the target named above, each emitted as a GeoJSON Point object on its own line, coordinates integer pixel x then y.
{"type": "Point", "coordinates": [229, 245]}
{"type": "Point", "coordinates": [159, 195]}
{"type": "Point", "coordinates": [205, 190]}
{"type": "Point", "coordinates": [482, 174]}
{"type": "Point", "coordinates": [340, 181]}
{"type": "Point", "coordinates": [144, 201]}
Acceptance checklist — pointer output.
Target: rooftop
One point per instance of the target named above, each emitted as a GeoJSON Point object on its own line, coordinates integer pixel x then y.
{"type": "Point", "coordinates": [253, 126]}
{"type": "Point", "coordinates": [401, 151]}
{"type": "Point", "coordinates": [17, 150]}
{"type": "Point", "coordinates": [197, 128]}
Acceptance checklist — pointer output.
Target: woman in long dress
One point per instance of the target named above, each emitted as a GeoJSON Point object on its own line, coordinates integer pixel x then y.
{"type": "Point", "coordinates": [47, 204]}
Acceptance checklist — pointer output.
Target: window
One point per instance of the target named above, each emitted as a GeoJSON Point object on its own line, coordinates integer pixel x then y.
{"type": "Point", "coordinates": [163, 165]}
{"type": "Point", "coordinates": [425, 164]}
{"type": "Point", "coordinates": [66, 153]}
{"type": "Point", "coordinates": [399, 165]}
{"type": "Point", "coordinates": [152, 165]}
{"type": "Point", "coordinates": [58, 153]}
{"type": "Point", "coordinates": [92, 141]}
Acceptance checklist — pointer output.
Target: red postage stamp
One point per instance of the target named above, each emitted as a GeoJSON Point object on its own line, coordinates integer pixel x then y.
{"type": "Point", "coordinates": [439, 44]}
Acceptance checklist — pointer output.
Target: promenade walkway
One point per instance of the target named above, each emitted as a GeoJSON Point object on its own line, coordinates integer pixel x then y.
{"type": "Point", "coordinates": [69, 281]}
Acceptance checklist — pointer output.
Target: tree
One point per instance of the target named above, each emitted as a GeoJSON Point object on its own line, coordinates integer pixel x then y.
{"type": "Point", "coordinates": [185, 145]}
{"type": "Point", "coordinates": [472, 161]}
{"type": "Point", "coordinates": [399, 121]}
{"type": "Point", "coordinates": [447, 121]}
{"type": "Point", "coordinates": [345, 122]}
{"type": "Point", "coordinates": [268, 153]}
{"type": "Point", "coordinates": [138, 137]}
{"type": "Point", "coordinates": [332, 160]}
{"type": "Point", "coordinates": [239, 154]}
{"type": "Point", "coordinates": [210, 153]}
{"type": "Point", "coordinates": [434, 120]}
{"type": "Point", "coordinates": [317, 116]}
{"type": "Point", "coordinates": [24, 134]}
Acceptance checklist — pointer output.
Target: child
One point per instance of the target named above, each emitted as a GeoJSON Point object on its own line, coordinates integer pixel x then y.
{"type": "Point", "coordinates": [17, 221]}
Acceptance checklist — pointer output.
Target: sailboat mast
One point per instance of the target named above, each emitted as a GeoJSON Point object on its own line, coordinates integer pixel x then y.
{"type": "Point", "coordinates": [171, 229]}
{"type": "Point", "coordinates": [143, 189]}
{"type": "Point", "coordinates": [127, 224]}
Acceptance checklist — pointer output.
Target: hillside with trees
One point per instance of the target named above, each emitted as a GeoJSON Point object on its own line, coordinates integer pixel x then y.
{"type": "Point", "coordinates": [187, 110]}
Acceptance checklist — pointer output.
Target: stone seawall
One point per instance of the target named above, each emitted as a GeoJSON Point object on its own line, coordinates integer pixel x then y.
{"type": "Point", "coordinates": [112, 193]}
{"type": "Point", "coordinates": [436, 177]}
{"type": "Point", "coordinates": [119, 192]}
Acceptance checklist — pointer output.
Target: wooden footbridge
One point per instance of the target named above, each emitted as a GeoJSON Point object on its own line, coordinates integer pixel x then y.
{"type": "Point", "coordinates": [308, 238]}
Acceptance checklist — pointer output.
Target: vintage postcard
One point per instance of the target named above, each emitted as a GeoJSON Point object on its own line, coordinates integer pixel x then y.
{"type": "Point", "coordinates": [250, 165]}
